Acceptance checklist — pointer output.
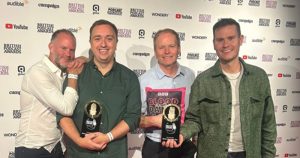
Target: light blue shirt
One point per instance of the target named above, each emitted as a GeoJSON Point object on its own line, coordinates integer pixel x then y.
{"type": "Point", "coordinates": [155, 78]}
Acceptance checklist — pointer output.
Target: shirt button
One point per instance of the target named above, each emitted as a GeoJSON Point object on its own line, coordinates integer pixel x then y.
{"type": "Point", "coordinates": [229, 103]}
{"type": "Point", "coordinates": [226, 150]}
{"type": "Point", "coordinates": [229, 118]}
{"type": "Point", "coordinates": [228, 134]}
{"type": "Point", "coordinates": [101, 92]}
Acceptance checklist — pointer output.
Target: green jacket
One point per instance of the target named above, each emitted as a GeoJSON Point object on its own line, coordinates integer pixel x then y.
{"type": "Point", "coordinates": [209, 113]}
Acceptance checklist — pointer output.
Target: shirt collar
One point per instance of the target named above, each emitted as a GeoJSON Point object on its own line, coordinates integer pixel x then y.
{"type": "Point", "coordinates": [160, 74]}
{"type": "Point", "coordinates": [217, 71]}
{"type": "Point", "coordinates": [53, 68]}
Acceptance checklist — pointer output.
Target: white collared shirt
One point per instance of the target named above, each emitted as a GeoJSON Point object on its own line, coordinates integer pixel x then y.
{"type": "Point", "coordinates": [41, 97]}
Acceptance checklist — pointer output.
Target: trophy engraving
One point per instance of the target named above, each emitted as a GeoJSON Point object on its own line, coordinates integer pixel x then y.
{"type": "Point", "coordinates": [91, 117]}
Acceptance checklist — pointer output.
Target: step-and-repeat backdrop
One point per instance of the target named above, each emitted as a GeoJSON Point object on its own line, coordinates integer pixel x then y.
{"type": "Point", "coordinates": [272, 41]}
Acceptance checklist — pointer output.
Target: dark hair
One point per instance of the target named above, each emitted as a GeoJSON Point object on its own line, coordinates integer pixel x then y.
{"type": "Point", "coordinates": [225, 22]}
{"type": "Point", "coordinates": [167, 30]}
{"type": "Point", "coordinates": [104, 22]}
{"type": "Point", "coordinates": [57, 32]}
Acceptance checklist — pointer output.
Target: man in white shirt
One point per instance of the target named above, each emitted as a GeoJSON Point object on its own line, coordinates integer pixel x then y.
{"type": "Point", "coordinates": [42, 96]}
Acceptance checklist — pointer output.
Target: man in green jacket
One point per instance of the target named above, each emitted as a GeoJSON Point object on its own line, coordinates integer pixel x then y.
{"type": "Point", "coordinates": [231, 107]}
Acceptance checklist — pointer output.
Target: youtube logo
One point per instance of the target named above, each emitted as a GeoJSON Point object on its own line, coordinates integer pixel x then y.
{"type": "Point", "coordinates": [8, 26]}
{"type": "Point", "coordinates": [178, 16]}
{"type": "Point", "coordinates": [279, 75]}
{"type": "Point", "coordinates": [245, 57]}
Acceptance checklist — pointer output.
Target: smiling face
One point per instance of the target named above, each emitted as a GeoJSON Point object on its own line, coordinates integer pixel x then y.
{"type": "Point", "coordinates": [166, 49]}
{"type": "Point", "coordinates": [103, 44]}
{"type": "Point", "coordinates": [62, 50]}
{"type": "Point", "coordinates": [227, 43]}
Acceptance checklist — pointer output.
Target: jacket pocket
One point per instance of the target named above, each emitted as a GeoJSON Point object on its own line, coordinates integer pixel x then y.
{"type": "Point", "coordinates": [210, 110]}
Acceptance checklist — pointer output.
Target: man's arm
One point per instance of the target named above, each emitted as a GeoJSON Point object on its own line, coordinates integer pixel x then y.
{"type": "Point", "coordinates": [151, 121]}
{"type": "Point", "coordinates": [269, 132]}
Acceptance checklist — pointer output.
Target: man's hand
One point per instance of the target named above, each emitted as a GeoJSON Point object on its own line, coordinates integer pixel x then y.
{"type": "Point", "coordinates": [101, 139]}
{"type": "Point", "coordinates": [75, 66]}
{"type": "Point", "coordinates": [88, 143]}
{"type": "Point", "coordinates": [171, 143]}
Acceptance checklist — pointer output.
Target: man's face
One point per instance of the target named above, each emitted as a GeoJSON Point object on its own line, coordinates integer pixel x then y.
{"type": "Point", "coordinates": [103, 43]}
{"type": "Point", "coordinates": [167, 49]}
{"type": "Point", "coordinates": [227, 43]}
{"type": "Point", "coordinates": [63, 49]}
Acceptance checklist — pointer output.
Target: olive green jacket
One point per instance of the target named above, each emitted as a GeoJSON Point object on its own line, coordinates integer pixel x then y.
{"type": "Point", "coordinates": [209, 113]}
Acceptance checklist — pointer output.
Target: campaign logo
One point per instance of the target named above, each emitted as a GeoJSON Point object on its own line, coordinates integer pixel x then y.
{"type": "Point", "coordinates": [280, 124]}
{"type": "Point", "coordinates": [264, 22]}
{"type": "Point", "coordinates": [211, 56]}
{"type": "Point", "coordinates": [137, 13]}
{"type": "Point", "coordinates": [160, 14]}
{"type": "Point", "coordinates": [141, 33]}
{"type": "Point", "coordinates": [295, 92]}
{"type": "Point", "coordinates": [9, 26]}
{"type": "Point", "coordinates": [267, 58]}
{"type": "Point", "coordinates": [291, 24]}
{"type": "Point", "coordinates": [141, 54]}
{"type": "Point", "coordinates": [296, 108]}
{"type": "Point", "coordinates": [15, 3]}
{"type": "Point", "coordinates": [246, 21]}
{"type": "Point", "coordinates": [226, 2]}
{"type": "Point", "coordinates": [96, 9]}
{"type": "Point", "coordinates": [3, 70]}
{"type": "Point", "coordinates": [45, 28]}
{"type": "Point", "coordinates": [16, 114]}
{"type": "Point", "coordinates": [13, 48]}
{"type": "Point", "coordinates": [45, 5]}
{"type": "Point", "coordinates": [295, 42]}
{"type": "Point", "coordinates": [278, 41]}
{"type": "Point", "coordinates": [76, 8]}
{"type": "Point", "coordinates": [21, 70]}
{"type": "Point", "coordinates": [281, 92]}
{"type": "Point", "coordinates": [205, 18]}
{"type": "Point", "coordinates": [192, 56]}
{"type": "Point", "coordinates": [124, 33]}
{"type": "Point", "coordinates": [255, 3]}
{"type": "Point", "coordinates": [271, 4]}
{"type": "Point", "coordinates": [284, 108]}
{"type": "Point", "coordinates": [288, 5]}
{"type": "Point", "coordinates": [114, 11]}
{"type": "Point", "coordinates": [277, 22]}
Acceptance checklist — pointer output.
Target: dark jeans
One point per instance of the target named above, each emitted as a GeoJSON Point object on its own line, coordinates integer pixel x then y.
{"type": "Point", "coordinates": [236, 154]}
{"type": "Point", "coordinates": [153, 149]}
{"type": "Point", "coordinates": [22, 152]}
